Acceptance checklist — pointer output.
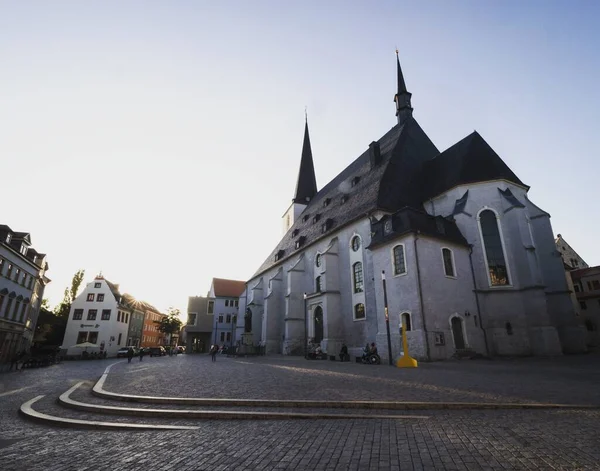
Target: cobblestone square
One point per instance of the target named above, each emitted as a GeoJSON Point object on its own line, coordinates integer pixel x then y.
{"type": "Point", "coordinates": [467, 439]}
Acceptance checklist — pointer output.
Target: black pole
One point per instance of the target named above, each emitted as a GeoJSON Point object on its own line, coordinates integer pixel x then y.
{"type": "Point", "coordinates": [216, 320]}
{"type": "Point", "coordinates": [305, 330]}
{"type": "Point", "coordinates": [387, 318]}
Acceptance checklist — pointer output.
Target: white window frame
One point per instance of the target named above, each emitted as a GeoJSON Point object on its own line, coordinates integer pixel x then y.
{"type": "Point", "coordinates": [394, 260]}
{"type": "Point", "coordinates": [485, 258]}
{"type": "Point", "coordinates": [454, 276]}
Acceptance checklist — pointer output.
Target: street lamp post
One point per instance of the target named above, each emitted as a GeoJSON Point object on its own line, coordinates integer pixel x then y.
{"type": "Point", "coordinates": [387, 318]}
{"type": "Point", "coordinates": [305, 329]}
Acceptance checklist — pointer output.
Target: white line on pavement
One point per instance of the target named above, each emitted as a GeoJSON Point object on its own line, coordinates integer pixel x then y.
{"type": "Point", "coordinates": [8, 393]}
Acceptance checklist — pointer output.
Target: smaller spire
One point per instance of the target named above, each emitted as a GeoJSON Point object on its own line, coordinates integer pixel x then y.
{"type": "Point", "coordinates": [306, 188]}
{"type": "Point", "coordinates": [402, 97]}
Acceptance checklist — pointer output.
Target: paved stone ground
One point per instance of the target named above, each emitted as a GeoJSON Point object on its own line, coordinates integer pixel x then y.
{"type": "Point", "coordinates": [453, 440]}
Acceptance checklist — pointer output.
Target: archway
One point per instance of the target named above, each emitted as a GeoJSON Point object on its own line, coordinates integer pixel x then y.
{"type": "Point", "coordinates": [318, 324]}
{"type": "Point", "coordinates": [457, 333]}
{"type": "Point", "coordinates": [248, 321]}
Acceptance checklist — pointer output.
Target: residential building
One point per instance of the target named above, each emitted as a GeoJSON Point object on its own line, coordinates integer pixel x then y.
{"type": "Point", "coordinates": [223, 302]}
{"type": "Point", "coordinates": [586, 285]}
{"type": "Point", "coordinates": [571, 259]}
{"type": "Point", "coordinates": [22, 283]}
{"type": "Point", "coordinates": [199, 326]}
{"type": "Point", "coordinates": [136, 320]}
{"type": "Point", "coordinates": [151, 335]}
{"type": "Point", "coordinates": [99, 315]}
{"type": "Point", "coordinates": [469, 261]}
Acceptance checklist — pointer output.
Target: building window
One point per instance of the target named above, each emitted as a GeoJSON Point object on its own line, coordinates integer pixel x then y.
{"type": "Point", "coordinates": [119, 341]}
{"type": "Point", "coordinates": [355, 181]}
{"type": "Point", "coordinates": [357, 275]}
{"type": "Point", "coordinates": [583, 305]}
{"type": "Point", "coordinates": [326, 202]}
{"type": "Point", "coordinates": [228, 319]}
{"type": "Point", "coordinates": [82, 337]}
{"type": "Point", "coordinates": [126, 317]}
{"type": "Point", "coordinates": [448, 262]}
{"type": "Point", "coordinates": [595, 284]}
{"type": "Point", "coordinates": [93, 337]}
{"type": "Point", "coordinates": [78, 314]}
{"type": "Point", "coordinates": [9, 270]}
{"type": "Point", "coordinates": [90, 297]}
{"type": "Point", "coordinates": [355, 244]}
{"type": "Point", "coordinates": [576, 287]}
{"type": "Point", "coordinates": [97, 285]}
{"type": "Point", "coordinates": [399, 260]}
{"type": "Point", "coordinates": [318, 260]}
{"type": "Point", "coordinates": [295, 233]}
{"type": "Point", "coordinates": [237, 303]}
{"type": "Point", "coordinates": [439, 338]}
{"type": "Point", "coordinates": [229, 336]}
{"type": "Point", "coordinates": [234, 319]}
{"type": "Point", "coordinates": [192, 318]}
{"type": "Point", "coordinates": [24, 279]}
{"type": "Point", "coordinates": [105, 314]}
{"type": "Point", "coordinates": [118, 316]}
{"type": "Point", "coordinates": [30, 282]}
{"type": "Point", "coordinates": [305, 218]}
{"type": "Point", "coordinates": [492, 245]}
{"type": "Point", "coordinates": [17, 274]}
{"type": "Point", "coordinates": [92, 313]}
{"type": "Point", "coordinates": [220, 318]}
{"type": "Point", "coordinates": [344, 199]}
{"type": "Point", "coordinates": [222, 336]}
{"type": "Point", "coordinates": [211, 307]}
{"type": "Point", "coordinates": [359, 311]}
{"type": "Point", "coordinates": [300, 242]}
{"type": "Point", "coordinates": [318, 284]}
{"type": "Point", "coordinates": [100, 298]}
{"type": "Point", "coordinates": [1, 266]}
{"type": "Point", "coordinates": [227, 303]}
{"type": "Point", "coordinates": [405, 319]}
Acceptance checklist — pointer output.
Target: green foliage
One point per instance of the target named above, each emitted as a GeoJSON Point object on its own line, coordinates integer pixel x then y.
{"type": "Point", "coordinates": [170, 324]}
{"type": "Point", "coordinates": [62, 309]}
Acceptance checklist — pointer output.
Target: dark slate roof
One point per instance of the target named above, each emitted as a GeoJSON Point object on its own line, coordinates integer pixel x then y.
{"type": "Point", "coordinates": [388, 185]}
{"type": "Point", "coordinates": [409, 220]}
{"type": "Point", "coordinates": [306, 187]}
{"type": "Point", "coordinates": [470, 160]}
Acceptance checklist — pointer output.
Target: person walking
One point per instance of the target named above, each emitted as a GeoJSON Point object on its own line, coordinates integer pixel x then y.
{"type": "Point", "coordinates": [129, 355]}
{"type": "Point", "coordinates": [141, 354]}
{"type": "Point", "coordinates": [213, 352]}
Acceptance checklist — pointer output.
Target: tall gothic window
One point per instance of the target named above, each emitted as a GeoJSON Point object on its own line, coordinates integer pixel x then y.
{"type": "Point", "coordinates": [358, 277]}
{"type": "Point", "coordinates": [399, 261]}
{"type": "Point", "coordinates": [448, 262]}
{"type": "Point", "coordinates": [318, 284]}
{"type": "Point", "coordinates": [492, 245]}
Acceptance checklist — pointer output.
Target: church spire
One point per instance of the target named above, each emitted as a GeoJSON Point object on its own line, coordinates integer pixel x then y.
{"type": "Point", "coordinates": [402, 97]}
{"type": "Point", "coordinates": [306, 188]}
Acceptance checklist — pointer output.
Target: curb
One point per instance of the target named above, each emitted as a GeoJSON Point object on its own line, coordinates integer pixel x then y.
{"type": "Point", "coordinates": [66, 401]}
{"type": "Point", "coordinates": [99, 391]}
{"type": "Point", "coordinates": [27, 411]}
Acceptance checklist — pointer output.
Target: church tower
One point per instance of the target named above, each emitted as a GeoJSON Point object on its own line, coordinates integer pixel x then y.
{"type": "Point", "coordinates": [306, 187]}
{"type": "Point", "coordinates": [402, 98]}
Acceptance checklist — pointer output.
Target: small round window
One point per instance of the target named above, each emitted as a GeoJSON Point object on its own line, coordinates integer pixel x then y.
{"type": "Point", "coordinates": [355, 243]}
{"type": "Point", "coordinates": [318, 260]}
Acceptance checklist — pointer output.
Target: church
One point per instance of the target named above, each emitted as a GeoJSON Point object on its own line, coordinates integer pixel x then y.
{"type": "Point", "coordinates": [469, 261]}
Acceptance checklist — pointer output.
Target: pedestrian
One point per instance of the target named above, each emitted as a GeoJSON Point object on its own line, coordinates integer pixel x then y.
{"type": "Point", "coordinates": [129, 355]}
{"type": "Point", "coordinates": [213, 352]}
{"type": "Point", "coordinates": [141, 354]}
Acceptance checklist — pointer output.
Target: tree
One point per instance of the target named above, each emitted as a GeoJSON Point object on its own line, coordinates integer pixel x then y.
{"type": "Point", "coordinates": [62, 310]}
{"type": "Point", "coordinates": [171, 324]}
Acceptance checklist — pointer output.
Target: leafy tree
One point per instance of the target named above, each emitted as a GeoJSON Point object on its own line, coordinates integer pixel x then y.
{"type": "Point", "coordinates": [62, 310]}
{"type": "Point", "coordinates": [171, 324]}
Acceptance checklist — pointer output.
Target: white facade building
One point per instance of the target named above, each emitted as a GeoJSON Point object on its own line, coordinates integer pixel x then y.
{"type": "Point", "coordinates": [223, 302]}
{"type": "Point", "coordinates": [98, 315]}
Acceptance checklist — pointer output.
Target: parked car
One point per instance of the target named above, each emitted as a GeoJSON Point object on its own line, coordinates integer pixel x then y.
{"type": "Point", "coordinates": [122, 353]}
{"type": "Point", "coordinates": [157, 351]}
{"type": "Point", "coordinates": [146, 350]}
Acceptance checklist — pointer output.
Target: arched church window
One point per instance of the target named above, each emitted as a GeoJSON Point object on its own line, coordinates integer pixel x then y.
{"type": "Point", "coordinates": [357, 274]}
{"type": "Point", "coordinates": [359, 311]}
{"type": "Point", "coordinates": [405, 319]}
{"type": "Point", "coordinates": [318, 260]}
{"type": "Point", "coordinates": [448, 262]}
{"type": "Point", "coordinates": [318, 284]}
{"type": "Point", "coordinates": [399, 260]}
{"type": "Point", "coordinates": [492, 245]}
{"type": "Point", "coordinates": [355, 243]}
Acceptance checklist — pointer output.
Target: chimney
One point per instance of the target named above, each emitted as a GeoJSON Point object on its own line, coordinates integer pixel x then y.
{"type": "Point", "coordinates": [374, 154]}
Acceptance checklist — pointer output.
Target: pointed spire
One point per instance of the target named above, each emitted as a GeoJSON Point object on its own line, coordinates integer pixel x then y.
{"type": "Point", "coordinates": [306, 188]}
{"type": "Point", "coordinates": [402, 98]}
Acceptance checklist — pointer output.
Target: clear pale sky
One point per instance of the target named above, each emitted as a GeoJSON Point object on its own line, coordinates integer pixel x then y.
{"type": "Point", "coordinates": [159, 141]}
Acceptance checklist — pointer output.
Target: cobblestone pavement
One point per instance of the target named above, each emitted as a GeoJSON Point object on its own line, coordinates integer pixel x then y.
{"type": "Point", "coordinates": [453, 440]}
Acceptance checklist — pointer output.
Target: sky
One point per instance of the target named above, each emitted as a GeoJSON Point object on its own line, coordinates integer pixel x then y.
{"type": "Point", "coordinates": [159, 142]}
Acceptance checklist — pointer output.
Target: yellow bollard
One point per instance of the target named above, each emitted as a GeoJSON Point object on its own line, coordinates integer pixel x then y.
{"type": "Point", "coordinates": [405, 361]}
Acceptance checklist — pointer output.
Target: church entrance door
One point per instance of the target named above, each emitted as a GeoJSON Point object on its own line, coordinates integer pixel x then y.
{"type": "Point", "coordinates": [318, 324]}
{"type": "Point", "coordinates": [457, 333]}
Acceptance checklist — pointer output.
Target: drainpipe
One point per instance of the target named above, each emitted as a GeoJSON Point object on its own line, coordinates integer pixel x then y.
{"type": "Point", "coordinates": [421, 298]}
{"type": "Point", "coordinates": [487, 349]}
